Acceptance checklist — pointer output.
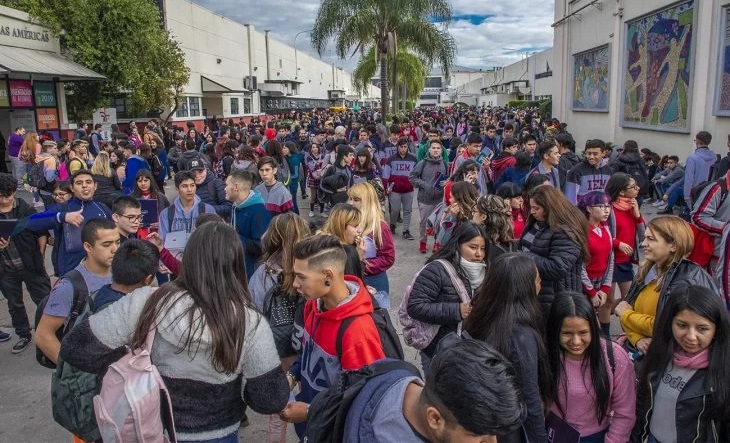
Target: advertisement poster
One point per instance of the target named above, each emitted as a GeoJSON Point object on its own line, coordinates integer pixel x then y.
{"type": "Point", "coordinates": [47, 118]}
{"type": "Point", "coordinates": [21, 94]}
{"type": "Point", "coordinates": [107, 117]}
{"type": "Point", "coordinates": [4, 97]}
{"type": "Point", "coordinates": [24, 118]}
{"type": "Point", "coordinates": [45, 94]}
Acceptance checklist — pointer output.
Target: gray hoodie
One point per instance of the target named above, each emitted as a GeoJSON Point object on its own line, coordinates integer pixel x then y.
{"type": "Point", "coordinates": [424, 176]}
{"type": "Point", "coordinates": [697, 170]}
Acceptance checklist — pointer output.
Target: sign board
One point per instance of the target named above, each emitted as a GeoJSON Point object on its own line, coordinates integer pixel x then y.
{"type": "Point", "coordinates": [24, 118]}
{"type": "Point", "coordinates": [23, 34]}
{"type": "Point", "coordinates": [21, 94]}
{"type": "Point", "coordinates": [45, 94]}
{"type": "Point", "coordinates": [106, 117]}
{"type": "Point", "coordinates": [4, 97]}
{"type": "Point", "coordinates": [47, 118]}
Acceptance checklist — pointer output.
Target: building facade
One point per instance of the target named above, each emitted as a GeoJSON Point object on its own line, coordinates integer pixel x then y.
{"type": "Point", "coordinates": [655, 71]}
{"type": "Point", "coordinates": [238, 71]}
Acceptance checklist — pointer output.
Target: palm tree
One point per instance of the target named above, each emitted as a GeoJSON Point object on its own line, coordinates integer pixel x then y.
{"type": "Point", "coordinates": [383, 24]}
{"type": "Point", "coordinates": [412, 76]}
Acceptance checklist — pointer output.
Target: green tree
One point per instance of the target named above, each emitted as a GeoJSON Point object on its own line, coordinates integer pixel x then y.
{"type": "Point", "coordinates": [385, 24]}
{"type": "Point", "coordinates": [412, 75]}
{"type": "Point", "coordinates": [122, 39]}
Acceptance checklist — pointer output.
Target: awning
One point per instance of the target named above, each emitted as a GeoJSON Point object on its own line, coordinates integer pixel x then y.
{"type": "Point", "coordinates": [220, 85]}
{"type": "Point", "coordinates": [31, 61]}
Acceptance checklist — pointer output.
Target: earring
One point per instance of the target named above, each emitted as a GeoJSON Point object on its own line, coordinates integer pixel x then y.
{"type": "Point", "coordinates": [326, 282]}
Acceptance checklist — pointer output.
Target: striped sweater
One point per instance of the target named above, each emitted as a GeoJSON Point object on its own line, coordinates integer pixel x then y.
{"type": "Point", "coordinates": [277, 198]}
{"type": "Point", "coordinates": [206, 404]}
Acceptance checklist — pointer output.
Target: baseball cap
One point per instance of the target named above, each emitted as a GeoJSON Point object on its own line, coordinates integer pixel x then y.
{"type": "Point", "coordinates": [197, 165]}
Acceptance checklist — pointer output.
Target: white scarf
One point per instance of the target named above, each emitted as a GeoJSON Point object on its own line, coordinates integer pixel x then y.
{"type": "Point", "coordinates": [474, 272]}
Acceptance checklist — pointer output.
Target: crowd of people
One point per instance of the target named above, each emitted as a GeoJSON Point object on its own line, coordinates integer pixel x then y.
{"type": "Point", "coordinates": [255, 300]}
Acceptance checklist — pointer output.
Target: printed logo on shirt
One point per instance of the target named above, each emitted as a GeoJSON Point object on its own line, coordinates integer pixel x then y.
{"type": "Point", "coordinates": [676, 383]}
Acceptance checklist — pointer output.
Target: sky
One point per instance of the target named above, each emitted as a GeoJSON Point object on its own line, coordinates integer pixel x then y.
{"type": "Point", "coordinates": [488, 33]}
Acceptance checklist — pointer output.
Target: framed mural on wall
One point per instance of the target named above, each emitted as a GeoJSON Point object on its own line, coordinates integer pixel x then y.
{"type": "Point", "coordinates": [658, 69]}
{"type": "Point", "coordinates": [722, 88]}
{"type": "Point", "coordinates": [591, 79]}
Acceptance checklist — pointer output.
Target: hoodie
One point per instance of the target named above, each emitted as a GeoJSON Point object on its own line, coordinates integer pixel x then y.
{"type": "Point", "coordinates": [277, 198]}
{"type": "Point", "coordinates": [502, 162]}
{"type": "Point", "coordinates": [584, 178]}
{"type": "Point", "coordinates": [134, 164]}
{"type": "Point", "coordinates": [318, 365]}
{"type": "Point", "coordinates": [396, 173]}
{"type": "Point", "coordinates": [250, 220]}
{"type": "Point", "coordinates": [424, 177]}
{"type": "Point", "coordinates": [183, 164]}
{"type": "Point", "coordinates": [697, 170]}
{"type": "Point", "coordinates": [182, 220]}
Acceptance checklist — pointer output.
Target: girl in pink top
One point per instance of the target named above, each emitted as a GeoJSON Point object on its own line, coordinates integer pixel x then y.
{"type": "Point", "coordinates": [594, 385]}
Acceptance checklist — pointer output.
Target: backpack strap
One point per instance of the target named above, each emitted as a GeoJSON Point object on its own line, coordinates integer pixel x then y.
{"type": "Point", "coordinates": [201, 207]}
{"type": "Point", "coordinates": [611, 359]}
{"type": "Point", "coordinates": [341, 334]}
{"type": "Point", "coordinates": [455, 280]}
{"type": "Point", "coordinates": [170, 217]}
{"type": "Point", "coordinates": [81, 294]}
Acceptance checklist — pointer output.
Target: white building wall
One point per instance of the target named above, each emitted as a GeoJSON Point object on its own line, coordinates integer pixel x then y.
{"type": "Point", "coordinates": [608, 25]}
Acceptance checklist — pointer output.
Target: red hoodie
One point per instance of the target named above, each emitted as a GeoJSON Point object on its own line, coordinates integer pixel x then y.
{"type": "Point", "coordinates": [318, 364]}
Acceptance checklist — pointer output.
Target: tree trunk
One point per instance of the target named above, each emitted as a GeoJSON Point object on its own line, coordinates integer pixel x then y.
{"type": "Point", "coordinates": [394, 82]}
{"type": "Point", "coordinates": [383, 84]}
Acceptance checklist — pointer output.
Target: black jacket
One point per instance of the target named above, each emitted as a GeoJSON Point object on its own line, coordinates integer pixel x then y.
{"type": "Point", "coordinates": [107, 189]}
{"type": "Point", "coordinates": [334, 178]}
{"type": "Point", "coordinates": [679, 274]}
{"type": "Point", "coordinates": [558, 261]}
{"type": "Point", "coordinates": [434, 300]}
{"type": "Point", "coordinates": [213, 192]}
{"type": "Point", "coordinates": [26, 242]}
{"type": "Point", "coordinates": [691, 419]}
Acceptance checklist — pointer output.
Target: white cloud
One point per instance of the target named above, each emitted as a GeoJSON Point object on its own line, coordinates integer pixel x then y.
{"type": "Point", "coordinates": [518, 26]}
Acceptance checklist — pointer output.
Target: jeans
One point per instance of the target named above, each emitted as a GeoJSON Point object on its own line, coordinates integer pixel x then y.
{"type": "Point", "coordinates": [661, 189]}
{"type": "Point", "coordinates": [406, 201]}
{"type": "Point", "coordinates": [378, 281]}
{"type": "Point", "coordinates": [675, 196]}
{"type": "Point", "coordinates": [18, 170]}
{"type": "Point", "coordinates": [231, 438]}
{"type": "Point", "coordinates": [38, 284]}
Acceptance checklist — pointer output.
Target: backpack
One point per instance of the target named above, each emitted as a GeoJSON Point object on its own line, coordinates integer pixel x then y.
{"type": "Point", "coordinates": [419, 334]}
{"type": "Point", "coordinates": [80, 295]}
{"type": "Point", "coordinates": [279, 309]}
{"type": "Point", "coordinates": [171, 214]}
{"type": "Point", "coordinates": [698, 189]}
{"type": "Point", "coordinates": [133, 405]}
{"type": "Point", "coordinates": [704, 247]}
{"type": "Point", "coordinates": [155, 165]}
{"type": "Point", "coordinates": [73, 391]}
{"type": "Point", "coordinates": [388, 336]}
{"type": "Point", "coordinates": [37, 175]}
{"type": "Point", "coordinates": [329, 410]}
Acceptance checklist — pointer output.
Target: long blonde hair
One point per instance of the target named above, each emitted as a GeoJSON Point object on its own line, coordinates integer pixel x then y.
{"type": "Point", "coordinates": [675, 231]}
{"type": "Point", "coordinates": [102, 165]}
{"type": "Point", "coordinates": [372, 214]}
{"type": "Point", "coordinates": [342, 215]}
{"type": "Point", "coordinates": [284, 231]}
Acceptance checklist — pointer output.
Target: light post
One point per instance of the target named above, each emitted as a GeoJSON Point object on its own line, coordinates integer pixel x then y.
{"type": "Point", "coordinates": [296, 55]}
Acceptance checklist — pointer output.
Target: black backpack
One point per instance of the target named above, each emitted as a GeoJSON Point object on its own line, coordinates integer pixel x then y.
{"type": "Point", "coordinates": [81, 293]}
{"type": "Point", "coordinates": [328, 410]}
{"type": "Point", "coordinates": [37, 175]}
{"type": "Point", "coordinates": [697, 189]}
{"type": "Point", "coordinates": [388, 337]}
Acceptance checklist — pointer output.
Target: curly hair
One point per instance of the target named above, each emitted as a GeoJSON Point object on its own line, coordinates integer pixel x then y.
{"type": "Point", "coordinates": [498, 222]}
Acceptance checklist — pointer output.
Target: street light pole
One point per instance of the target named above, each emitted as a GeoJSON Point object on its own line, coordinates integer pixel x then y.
{"type": "Point", "coordinates": [296, 54]}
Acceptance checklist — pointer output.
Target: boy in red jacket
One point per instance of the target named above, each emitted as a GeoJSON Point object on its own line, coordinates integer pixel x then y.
{"type": "Point", "coordinates": [319, 277]}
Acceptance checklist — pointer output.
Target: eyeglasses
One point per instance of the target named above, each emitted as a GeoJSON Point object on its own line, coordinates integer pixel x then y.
{"type": "Point", "coordinates": [602, 206]}
{"type": "Point", "coordinates": [633, 187]}
{"type": "Point", "coordinates": [132, 218]}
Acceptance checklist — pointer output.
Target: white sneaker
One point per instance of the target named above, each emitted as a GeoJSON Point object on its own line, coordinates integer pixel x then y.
{"type": "Point", "coordinates": [662, 207]}
{"type": "Point", "coordinates": [657, 203]}
{"type": "Point", "coordinates": [311, 214]}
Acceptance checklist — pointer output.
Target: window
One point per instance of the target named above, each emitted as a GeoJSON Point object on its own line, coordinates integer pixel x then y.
{"type": "Point", "coordinates": [182, 110]}
{"type": "Point", "coordinates": [194, 106]}
{"type": "Point", "coordinates": [433, 82]}
{"type": "Point", "coordinates": [246, 105]}
{"type": "Point", "coordinates": [121, 105]}
{"type": "Point", "coordinates": [234, 105]}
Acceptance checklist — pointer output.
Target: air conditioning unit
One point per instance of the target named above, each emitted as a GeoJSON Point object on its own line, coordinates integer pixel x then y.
{"type": "Point", "coordinates": [250, 83]}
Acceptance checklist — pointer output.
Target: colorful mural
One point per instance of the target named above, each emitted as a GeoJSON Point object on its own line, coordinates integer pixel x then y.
{"type": "Point", "coordinates": [590, 80]}
{"type": "Point", "coordinates": [658, 69]}
{"type": "Point", "coordinates": [722, 106]}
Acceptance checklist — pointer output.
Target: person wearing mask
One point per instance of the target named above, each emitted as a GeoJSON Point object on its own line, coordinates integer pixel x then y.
{"type": "Point", "coordinates": [588, 175]}
{"type": "Point", "coordinates": [435, 299]}
{"type": "Point", "coordinates": [668, 240]}
{"type": "Point", "coordinates": [249, 216]}
{"type": "Point", "coordinates": [214, 363]}
{"type": "Point", "coordinates": [506, 315]}
{"type": "Point", "coordinates": [100, 241]}
{"type": "Point", "coordinates": [555, 238]}
{"type": "Point", "coordinates": [595, 392]}
{"type": "Point", "coordinates": [684, 386]}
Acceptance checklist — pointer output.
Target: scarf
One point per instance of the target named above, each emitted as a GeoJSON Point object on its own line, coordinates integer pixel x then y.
{"type": "Point", "coordinates": [474, 272]}
{"type": "Point", "coordinates": [623, 203]}
{"type": "Point", "coordinates": [700, 360]}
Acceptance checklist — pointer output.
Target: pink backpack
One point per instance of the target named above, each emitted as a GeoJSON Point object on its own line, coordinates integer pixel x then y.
{"type": "Point", "coordinates": [417, 333]}
{"type": "Point", "coordinates": [133, 405]}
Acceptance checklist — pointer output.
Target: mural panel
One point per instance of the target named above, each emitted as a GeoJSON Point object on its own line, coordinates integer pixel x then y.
{"type": "Point", "coordinates": [658, 67]}
{"type": "Point", "coordinates": [722, 96]}
{"type": "Point", "coordinates": [591, 79]}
